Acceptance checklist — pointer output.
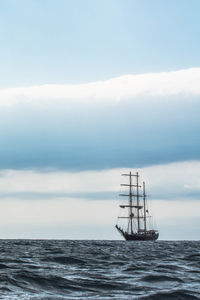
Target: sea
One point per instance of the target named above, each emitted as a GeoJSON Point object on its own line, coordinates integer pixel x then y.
{"type": "Point", "coordinates": [72, 269]}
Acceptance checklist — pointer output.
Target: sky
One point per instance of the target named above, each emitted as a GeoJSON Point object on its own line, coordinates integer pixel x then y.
{"type": "Point", "coordinates": [88, 90]}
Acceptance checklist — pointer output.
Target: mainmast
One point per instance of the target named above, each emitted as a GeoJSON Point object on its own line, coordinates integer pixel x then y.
{"type": "Point", "coordinates": [144, 206]}
{"type": "Point", "coordinates": [138, 202]}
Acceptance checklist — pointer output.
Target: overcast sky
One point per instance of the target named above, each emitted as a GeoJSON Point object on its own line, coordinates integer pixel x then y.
{"type": "Point", "coordinates": [89, 89]}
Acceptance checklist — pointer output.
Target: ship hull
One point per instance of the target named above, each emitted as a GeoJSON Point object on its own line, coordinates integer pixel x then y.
{"type": "Point", "coordinates": [151, 235]}
{"type": "Point", "coordinates": [141, 237]}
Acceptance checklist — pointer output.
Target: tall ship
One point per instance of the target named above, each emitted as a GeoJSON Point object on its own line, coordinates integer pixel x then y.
{"type": "Point", "coordinates": [136, 215]}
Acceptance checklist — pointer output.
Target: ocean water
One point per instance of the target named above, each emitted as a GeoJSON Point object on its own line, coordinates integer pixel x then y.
{"type": "Point", "coordinates": [50, 269]}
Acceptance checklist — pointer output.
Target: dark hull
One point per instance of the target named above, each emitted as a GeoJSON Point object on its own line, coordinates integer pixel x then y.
{"type": "Point", "coordinates": [151, 235]}
{"type": "Point", "coordinates": [141, 237]}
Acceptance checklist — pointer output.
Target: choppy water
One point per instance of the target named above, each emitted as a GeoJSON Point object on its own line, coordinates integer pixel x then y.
{"type": "Point", "coordinates": [99, 270]}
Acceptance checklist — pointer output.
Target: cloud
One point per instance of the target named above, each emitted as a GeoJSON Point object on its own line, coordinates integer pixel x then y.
{"type": "Point", "coordinates": [174, 181]}
{"type": "Point", "coordinates": [182, 82]}
{"type": "Point", "coordinates": [137, 120]}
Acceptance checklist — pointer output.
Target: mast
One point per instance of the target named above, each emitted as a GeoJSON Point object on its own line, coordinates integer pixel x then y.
{"type": "Point", "coordinates": [130, 203]}
{"type": "Point", "coordinates": [138, 202]}
{"type": "Point", "coordinates": [130, 195]}
{"type": "Point", "coordinates": [144, 200]}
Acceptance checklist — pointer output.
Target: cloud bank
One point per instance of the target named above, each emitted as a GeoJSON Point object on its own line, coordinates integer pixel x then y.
{"type": "Point", "coordinates": [133, 120]}
{"type": "Point", "coordinates": [174, 181]}
{"type": "Point", "coordinates": [182, 82]}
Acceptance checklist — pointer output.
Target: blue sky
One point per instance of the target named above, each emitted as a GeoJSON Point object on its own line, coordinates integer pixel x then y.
{"type": "Point", "coordinates": [82, 41]}
{"type": "Point", "coordinates": [87, 89]}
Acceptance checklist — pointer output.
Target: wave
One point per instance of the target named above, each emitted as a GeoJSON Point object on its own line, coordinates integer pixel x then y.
{"type": "Point", "coordinates": [31, 281]}
{"type": "Point", "coordinates": [174, 295]}
{"type": "Point", "coordinates": [3, 266]}
{"type": "Point", "coordinates": [64, 260]}
{"type": "Point", "coordinates": [158, 278]}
